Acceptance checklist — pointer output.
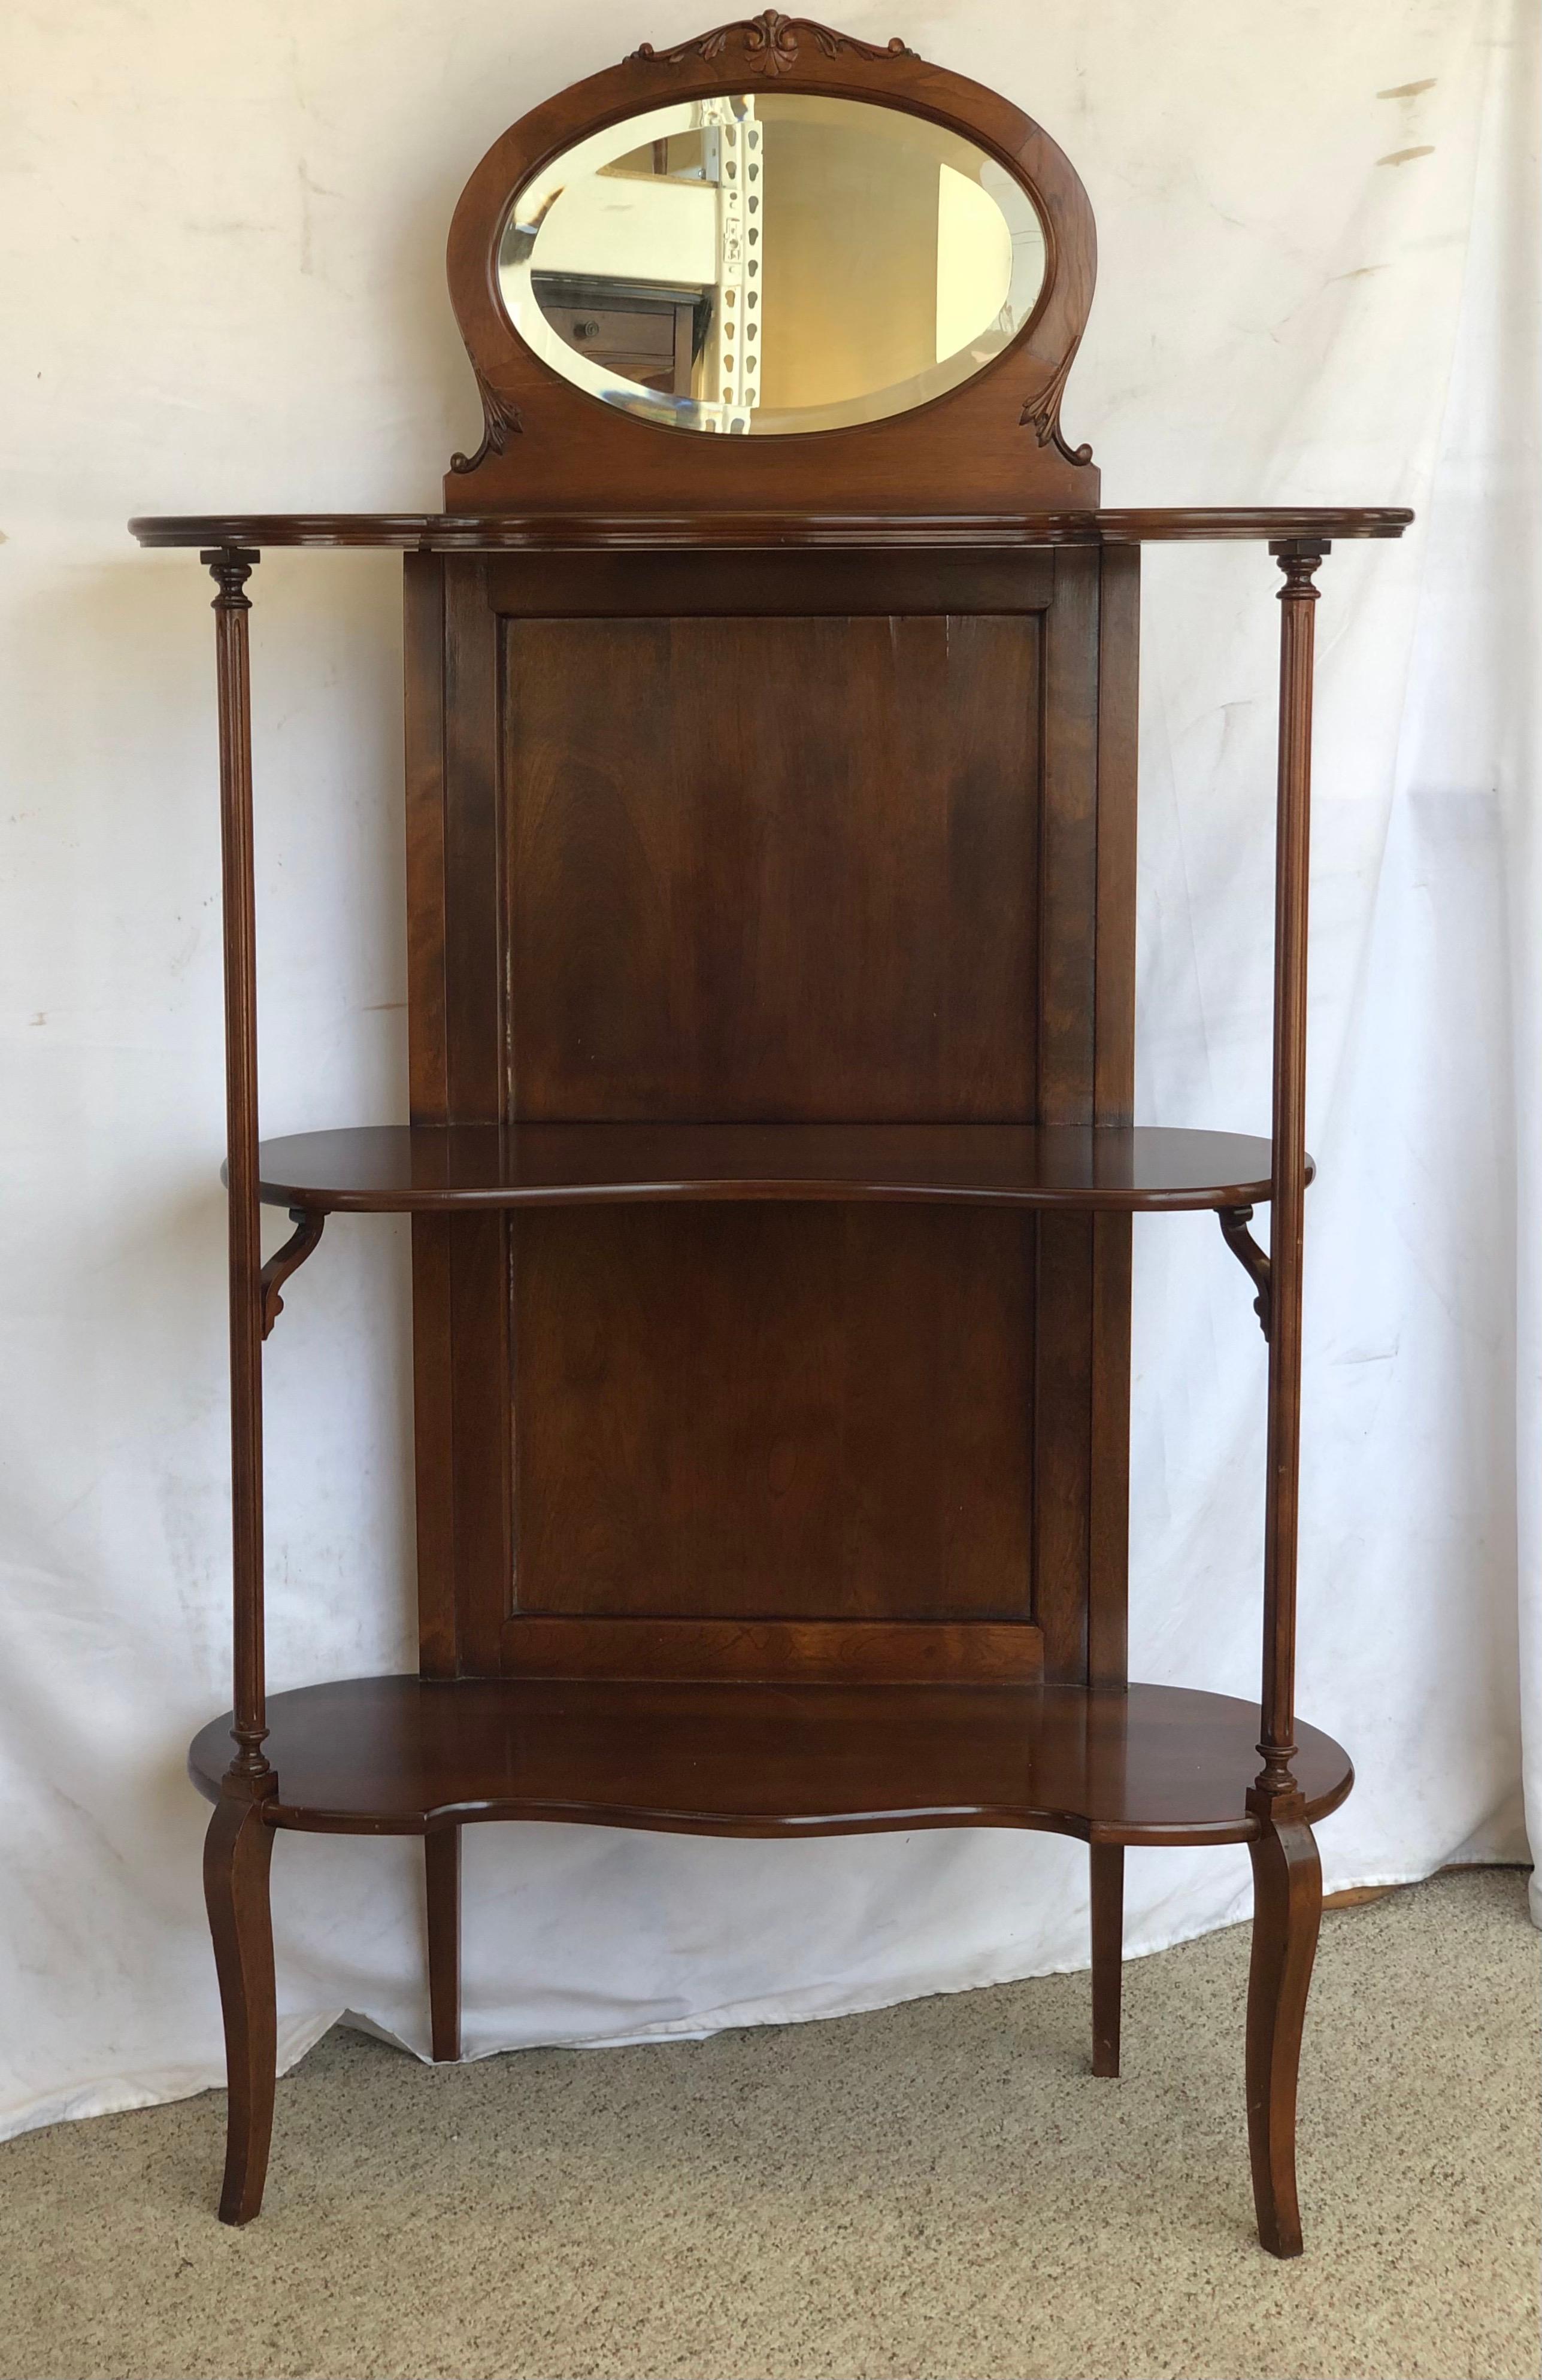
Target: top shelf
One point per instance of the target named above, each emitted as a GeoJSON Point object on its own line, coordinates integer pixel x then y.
{"type": "Point", "coordinates": [514, 533]}
{"type": "Point", "coordinates": [384, 1169]}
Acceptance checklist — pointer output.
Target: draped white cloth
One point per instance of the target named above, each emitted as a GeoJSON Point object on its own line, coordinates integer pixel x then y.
{"type": "Point", "coordinates": [223, 235]}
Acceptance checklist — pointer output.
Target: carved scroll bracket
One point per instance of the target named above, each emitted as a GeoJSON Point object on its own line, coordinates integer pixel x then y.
{"type": "Point", "coordinates": [500, 423]}
{"type": "Point", "coordinates": [1041, 413]}
{"type": "Point", "coordinates": [303, 1241]}
{"type": "Point", "coordinates": [1254, 1260]}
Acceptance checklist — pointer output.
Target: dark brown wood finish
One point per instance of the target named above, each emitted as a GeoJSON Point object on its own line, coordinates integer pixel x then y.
{"type": "Point", "coordinates": [237, 1854]}
{"type": "Point", "coordinates": [303, 1241]}
{"type": "Point", "coordinates": [442, 1881]}
{"type": "Point", "coordinates": [1298, 599]}
{"type": "Point", "coordinates": [231, 569]}
{"type": "Point", "coordinates": [1287, 1908]}
{"type": "Point", "coordinates": [968, 1651]}
{"type": "Point", "coordinates": [437, 1169]}
{"type": "Point", "coordinates": [398, 1756]}
{"type": "Point", "coordinates": [1107, 1954]}
{"type": "Point", "coordinates": [548, 447]}
{"type": "Point", "coordinates": [771, 840]}
{"type": "Point", "coordinates": [434, 1410]}
{"type": "Point", "coordinates": [726, 902]}
{"type": "Point", "coordinates": [238, 1847]}
{"type": "Point", "coordinates": [701, 901]}
{"type": "Point", "coordinates": [425, 729]}
{"type": "Point", "coordinates": [751, 532]}
{"type": "Point", "coordinates": [484, 1521]}
{"type": "Point", "coordinates": [428, 1081]}
{"type": "Point", "coordinates": [1287, 1873]}
{"type": "Point", "coordinates": [1254, 1260]}
{"type": "Point", "coordinates": [788, 1414]}
{"type": "Point", "coordinates": [1113, 1104]}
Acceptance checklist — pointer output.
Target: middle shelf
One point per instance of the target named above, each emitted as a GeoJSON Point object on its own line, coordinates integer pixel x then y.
{"type": "Point", "coordinates": [384, 1168]}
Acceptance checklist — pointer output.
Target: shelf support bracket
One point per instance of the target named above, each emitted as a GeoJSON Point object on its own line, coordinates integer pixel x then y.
{"type": "Point", "coordinates": [309, 1223]}
{"type": "Point", "coordinates": [1254, 1260]}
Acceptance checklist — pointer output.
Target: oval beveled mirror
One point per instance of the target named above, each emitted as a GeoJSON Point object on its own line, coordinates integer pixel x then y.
{"type": "Point", "coordinates": [771, 262]}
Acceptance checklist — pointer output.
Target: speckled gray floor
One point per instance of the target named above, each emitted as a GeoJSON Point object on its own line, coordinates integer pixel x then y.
{"type": "Point", "coordinates": [940, 2192]}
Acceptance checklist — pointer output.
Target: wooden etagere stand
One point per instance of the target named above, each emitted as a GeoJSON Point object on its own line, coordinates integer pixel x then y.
{"type": "Point", "coordinates": [770, 1158]}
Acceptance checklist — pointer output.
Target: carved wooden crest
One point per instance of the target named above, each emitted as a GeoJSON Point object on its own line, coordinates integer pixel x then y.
{"type": "Point", "coordinates": [770, 43]}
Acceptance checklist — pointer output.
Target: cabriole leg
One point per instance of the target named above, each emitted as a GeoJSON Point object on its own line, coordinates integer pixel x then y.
{"type": "Point", "coordinates": [1107, 1954]}
{"type": "Point", "coordinates": [441, 1871]}
{"type": "Point", "coordinates": [238, 1855]}
{"type": "Point", "coordinates": [1287, 1907]}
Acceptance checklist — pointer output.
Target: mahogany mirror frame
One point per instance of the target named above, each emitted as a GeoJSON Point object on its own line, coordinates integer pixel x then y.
{"type": "Point", "coordinates": [548, 445]}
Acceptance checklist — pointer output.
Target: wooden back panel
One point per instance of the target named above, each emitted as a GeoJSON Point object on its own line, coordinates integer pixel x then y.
{"type": "Point", "coordinates": [811, 836]}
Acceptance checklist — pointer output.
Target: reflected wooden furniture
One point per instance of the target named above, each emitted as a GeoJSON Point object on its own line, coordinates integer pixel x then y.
{"type": "Point", "coordinates": [646, 334]}
{"type": "Point", "coordinates": [770, 814]}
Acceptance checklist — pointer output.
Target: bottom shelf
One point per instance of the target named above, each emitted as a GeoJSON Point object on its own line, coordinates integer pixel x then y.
{"type": "Point", "coordinates": [401, 1755]}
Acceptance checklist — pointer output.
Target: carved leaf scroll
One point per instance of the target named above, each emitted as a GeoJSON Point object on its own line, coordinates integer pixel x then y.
{"type": "Point", "coordinates": [1041, 413]}
{"type": "Point", "coordinates": [501, 421]}
{"type": "Point", "coordinates": [770, 44]}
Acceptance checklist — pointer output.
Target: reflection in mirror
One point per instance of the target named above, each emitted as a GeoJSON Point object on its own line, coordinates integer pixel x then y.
{"type": "Point", "coordinates": [771, 262]}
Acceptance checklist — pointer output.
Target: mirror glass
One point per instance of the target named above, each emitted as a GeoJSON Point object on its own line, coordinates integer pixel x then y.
{"type": "Point", "coordinates": [771, 262]}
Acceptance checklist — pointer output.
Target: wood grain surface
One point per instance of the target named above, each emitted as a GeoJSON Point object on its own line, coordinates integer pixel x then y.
{"type": "Point", "coordinates": [428, 1169]}
{"type": "Point", "coordinates": [396, 1756]}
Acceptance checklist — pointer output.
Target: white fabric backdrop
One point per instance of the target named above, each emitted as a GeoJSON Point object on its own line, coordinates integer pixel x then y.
{"type": "Point", "coordinates": [223, 235]}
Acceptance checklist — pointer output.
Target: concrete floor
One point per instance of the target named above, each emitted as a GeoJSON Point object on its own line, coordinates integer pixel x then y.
{"type": "Point", "coordinates": [938, 2192]}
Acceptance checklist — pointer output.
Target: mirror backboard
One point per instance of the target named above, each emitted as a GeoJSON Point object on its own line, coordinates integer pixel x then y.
{"type": "Point", "coordinates": [865, 276]}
